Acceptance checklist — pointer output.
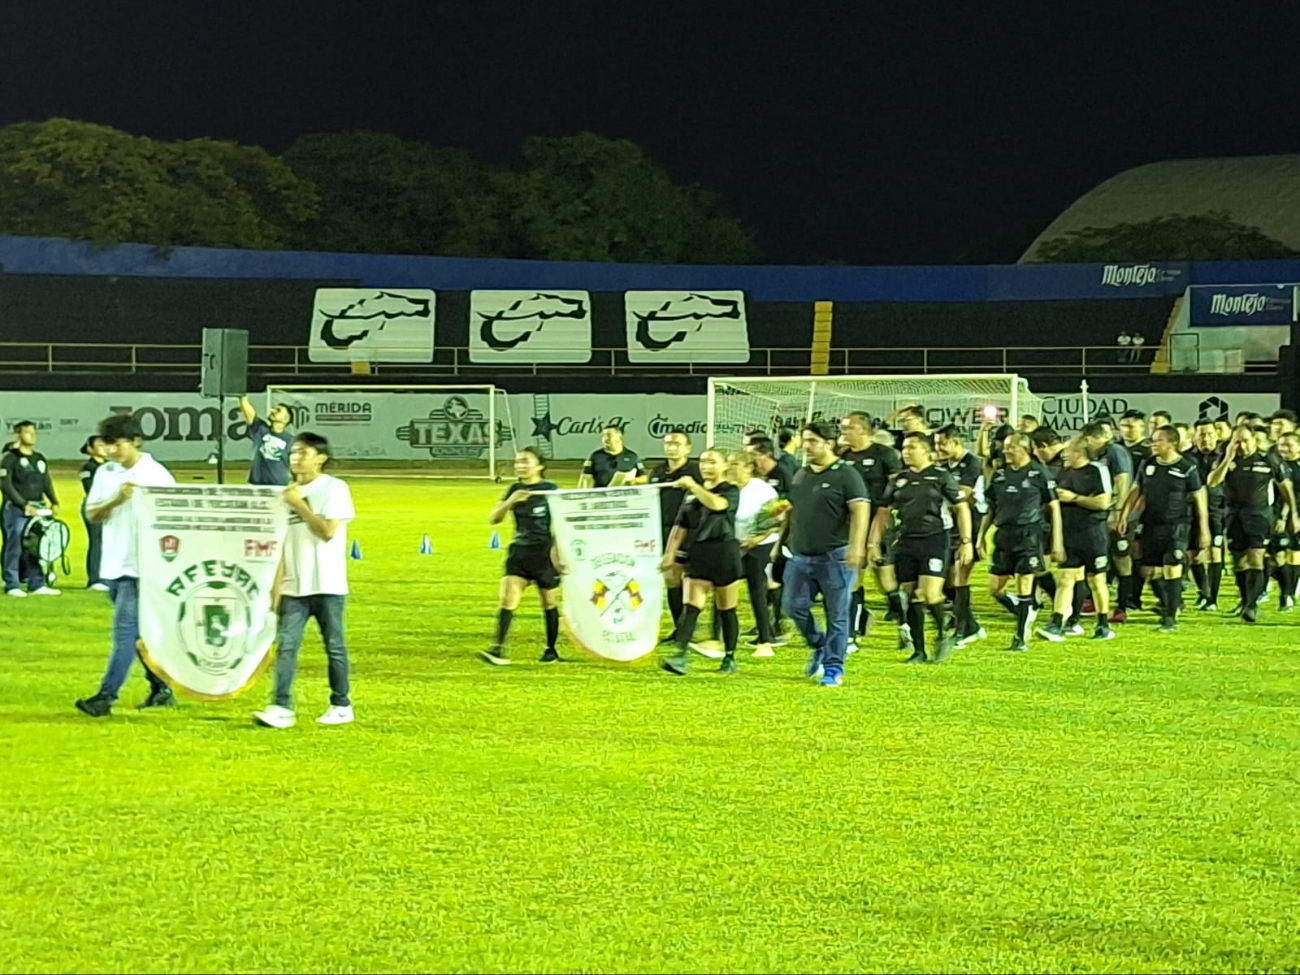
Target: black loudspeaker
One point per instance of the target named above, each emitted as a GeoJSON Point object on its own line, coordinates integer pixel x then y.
{"type": "Point", "coordinates": [225, 362]}
{"type": "Point", "coordinates": [1288, 376]}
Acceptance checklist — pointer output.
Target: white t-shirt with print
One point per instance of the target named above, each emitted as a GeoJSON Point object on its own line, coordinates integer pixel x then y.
{"type": "Point", "coordinates": [119, 552]}
{"type": "Point", "coordinates": [313, 566]}
{"type": "Point", "coordinates": [753, 496]}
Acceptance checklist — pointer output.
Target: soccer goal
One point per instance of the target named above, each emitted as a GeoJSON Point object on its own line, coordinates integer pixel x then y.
{"type": "Point", "coordinates": [432, 431]}
{"type": "Point", "coordinates": [738, 404]}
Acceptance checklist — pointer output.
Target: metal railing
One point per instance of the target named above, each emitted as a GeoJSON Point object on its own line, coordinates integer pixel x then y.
{"type": "Point", "coordinates": [293, 360]}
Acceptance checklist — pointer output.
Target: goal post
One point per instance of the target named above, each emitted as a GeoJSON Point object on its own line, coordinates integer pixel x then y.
{"type": "Point", "coordinates": [737, 404]}
{"type": "Point", "coordinates": [434, 430]}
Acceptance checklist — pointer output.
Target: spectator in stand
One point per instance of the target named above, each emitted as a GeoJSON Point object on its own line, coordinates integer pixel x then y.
{"type": "Point", "coordinates": [1125, 341]}
{"type": "Point", "coordinates": [1135, 356]}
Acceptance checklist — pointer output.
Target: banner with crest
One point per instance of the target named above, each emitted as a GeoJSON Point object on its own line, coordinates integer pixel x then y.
{"type": "Point", "coordinates": [208, 555]}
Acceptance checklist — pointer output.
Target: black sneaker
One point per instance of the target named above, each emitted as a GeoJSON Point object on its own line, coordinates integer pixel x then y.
{"type": "Point", "coordinates": [1052, 631]}
{"type": "Point", "coordinates": [1250, 615]}
{"type": "Point", "coordinates": [494, 655]}
{"type": "Point", "coordinates": [1202, 603]}
{"type": "Point", "coordinates": [678, 664]}
{"type": "Point", "coordinates": [1103, 632]}
{"type": "Point", "coordinates": [946, 646]}
{"type": "Point", "coordinates": [917, 657]}
{"type": "Point", "coordinates": [1167, 625]}
{"type": "Point", "coordinates": [1017, 646]}
{"type": "Point", "coordinates": [728, 665]}
{"type": "Point", "coordinates": [160, 698]}
{"type": "Point", "coordinates": [550, 656]}
{"type": "Point", "coordinates": [98, 706]}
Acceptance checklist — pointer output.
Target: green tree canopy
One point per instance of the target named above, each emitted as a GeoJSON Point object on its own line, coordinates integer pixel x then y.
{"type": "Point", "coordinates": [1212, 236]}
{"type": "Point", "coordinates": [81, 181]}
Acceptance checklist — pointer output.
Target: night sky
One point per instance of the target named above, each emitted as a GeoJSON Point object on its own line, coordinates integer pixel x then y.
{"type": "Point", "coordinates": [912, 133]}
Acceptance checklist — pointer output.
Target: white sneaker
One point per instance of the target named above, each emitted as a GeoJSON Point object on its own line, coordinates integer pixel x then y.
{"type": "Point", "coordinates": [47, 591]}
{"type": "Point", "coordinates": [763, 650]}
{"type": "Point", "coordinates": [275, 716]}
{"type": "Point", "coordinates": [337, 714]}
{"type": "Point", "coordinates": [99, 587]}
{"type": "Point", "coordinates": [709, 648]}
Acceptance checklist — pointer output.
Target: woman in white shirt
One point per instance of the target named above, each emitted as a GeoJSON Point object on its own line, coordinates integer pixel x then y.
{"type": "Point", "coordinates": [755, 549]}
{"type": "Point", "coordinates": [313, 580]}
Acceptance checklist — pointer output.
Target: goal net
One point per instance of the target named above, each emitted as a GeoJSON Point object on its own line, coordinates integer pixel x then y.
{"type": "Point", "coordinates": [433, 431]}
{"type": "Point", "coordinates": [767, 403]}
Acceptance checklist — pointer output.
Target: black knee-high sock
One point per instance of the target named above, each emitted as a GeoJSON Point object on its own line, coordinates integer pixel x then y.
{"type": "Point", "coordinates": [675, 603]}
{"type": "Point", "coordinates": [504, 619]}
{"type": "Point", "coordinates": [552, 627]}
{"type": "Point", "coordinates": [858, 613]}
{"type": "Point", "coordinates": [1174, 596]}
{"type": "Point", "coordinates": [715, 625]}
{"type": "Point", "coordinates": [1216, 580]}
{"type": "Point", "coordinates": [686, 626]}
{"type": "Point", "coordinates": [1287, 582]}
{"type": "Point", "coordinates": [1240, 576]}
{"type": "Point", "coordinates": [730, 629]}
{"type": "Point", "coordinates": [774, 607]}
{"type": "Point", "coordinates": [1135, 589]}
{"type": "Point", "coordinates": [1081, 591]}
{"type": "Point", "coordinates": [940, 619]}
{"type": "Point", "coordinates": [1047, 583]}
{"type": "Point", "coordinates": [1122, 589]}
{"type": "Point", "coordinates": [1248, 591]}
{"type": "Point", "coordinates": [916, 623]}
{"type": "Point", "coordinates": [1166, 591]}
{"type": "Point", "coordinates": [896, 603]}
{"type": "Point", "coordinates": [961, 612]}
{"type": "Point", "coordinates": [1201, 578]}
{"type": "Point", "coordinates": [1022, 618]}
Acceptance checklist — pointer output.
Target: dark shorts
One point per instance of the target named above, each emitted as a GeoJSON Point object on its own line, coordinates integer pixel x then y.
{"type": "Point", "coordinates": [921, 555]}
{"type": "Point", "coordinates": [1017, 552]}
{"type": "Point", "coordinates": [1248, 528]}
{"type": "Point", "coordinates": [534, 564]}
{"type": "Point", "coordinates": [1088, 550]}
{"type": "Point", "coordinates": [715, 562]}
{"type": "Point", "coordinates": [1164, 545]}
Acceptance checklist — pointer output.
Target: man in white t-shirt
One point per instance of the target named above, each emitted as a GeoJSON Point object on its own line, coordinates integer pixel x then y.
{"type": "Point", "coordinates": [313, 580]}
{"type": "Point", "coordinates": [110, 504]}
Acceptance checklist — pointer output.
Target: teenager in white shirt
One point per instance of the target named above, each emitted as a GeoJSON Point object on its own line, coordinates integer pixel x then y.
{"type": "Point", "coordinates": [110, 504]}
{"type": "Point", "coordinates": [313, 580]}
{"type": "Point", "coordinates": [755, 547]}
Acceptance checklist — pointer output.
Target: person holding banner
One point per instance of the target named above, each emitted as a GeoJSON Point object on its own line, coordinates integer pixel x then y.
{"type": "Point", "coordinates": [109, 504]}
{"type": "Point", "coordinates": [756, 504]}
{"type": "Point", "coordinates": [826, 532]}
{"type": "Point", "coordinates": [529, 558]}
{"type": "Point", "coordinates": [677, 464]}
{"type": "Point", "coordinates": [313, 581]}
{"type": "Point", "coordinates": [713, 562]}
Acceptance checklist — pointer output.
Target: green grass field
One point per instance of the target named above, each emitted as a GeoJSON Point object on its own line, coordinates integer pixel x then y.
{"type": "Point", "coordinates": [1129, 806]}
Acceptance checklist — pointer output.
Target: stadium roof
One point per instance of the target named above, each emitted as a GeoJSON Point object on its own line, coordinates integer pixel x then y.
{"type": "Point", "coordinates": [1259, 191]}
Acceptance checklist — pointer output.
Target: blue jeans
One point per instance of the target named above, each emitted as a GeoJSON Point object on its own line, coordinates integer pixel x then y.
{"type": "Point", "coordinates": [19, 567]}
{"type": "Point", "coordinates": [294, 613]}
{"type": "Point", "coordinates": [807, 575]}
{"type": "Point", "coordinates": [125, 594]}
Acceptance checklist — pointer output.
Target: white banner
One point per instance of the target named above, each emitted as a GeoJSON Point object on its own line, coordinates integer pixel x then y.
{"type": "Point", "coordinates": [372, 325]}
{"type": "Point", "coordinates": [686, 326]}
{"type": "Point", "coordinates": [529, 326]}
{"type": "Point", "coordinates": [447, 425]}
{"type": "Point", "coordinates": [208, 557]}
{"type": "Point", "coordinates": [609, 544]}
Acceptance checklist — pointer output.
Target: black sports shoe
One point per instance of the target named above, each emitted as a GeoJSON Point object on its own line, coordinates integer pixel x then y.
{"type": "Point", "coordinates": [946, 646]}
{"type": "Point", "coordinates": [1017, 646]}
{"type": "Point", "coordinates": [98, 706]}
{"type": "Point", "coordinates": [550, 656]}
{"type": "Point", "coordinates": [1250, 615]}
{"type": "Point", "coordinates": [728, 665]}
{"type": "Point", "coordinates": [677, 664]}
{"type": "Point", "coordinates": [917, 657]}
{"type": "Point", "coordinates": [161, 698]}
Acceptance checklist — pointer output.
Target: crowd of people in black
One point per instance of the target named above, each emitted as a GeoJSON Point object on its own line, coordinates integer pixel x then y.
{"type": "Point", "coordinates": [1139, 503]}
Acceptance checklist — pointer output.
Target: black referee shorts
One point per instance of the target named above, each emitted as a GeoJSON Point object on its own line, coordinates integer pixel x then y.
{"type": "Point", "coordinates": [1017, 551]}
{"type": "Point", "coordinates": [1248, 528]}
{"type": "Point", "coordinates": [1088, 550]}
{"type": "Point", "coordinates": [716, 562]}
{"type": "Point", "coordinates": [921, 555]}
{"type": "Point", "coordinates": [1165, 544]}
{"type": "Point", "coordinates": [533, 563]}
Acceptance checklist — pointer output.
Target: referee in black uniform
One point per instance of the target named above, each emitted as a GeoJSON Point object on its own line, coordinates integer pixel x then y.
{"type": "Point", "coordinates": [96, 455]}
{"type": "Point", "coordinates": [24, 483]}
{"type": "Point", "coordinates": [613, 464]}
{"type": "Point", "coordinates": [1020, 490]}
{"type": "Point", "coordinates": [925, 498]}
{"type": "Point", "coordinates": [968, 471]}
{"type": "Point", "coordinates": [1207, 569]}
{"type": "Point", "coordinates": [877, 463]}
{"type": "Point", "coordinates": [677, 464]}
{"type": "Point", "coordinates": [1168, 486]}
